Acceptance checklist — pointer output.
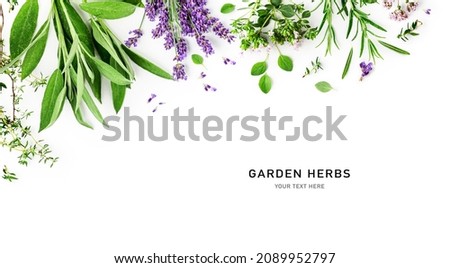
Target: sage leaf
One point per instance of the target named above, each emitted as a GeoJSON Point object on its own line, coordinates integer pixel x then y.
{"type": "Point", "coordinates": [259, 68]}
{"type": "Point", "coordinates": [348, 63]}
{"type": "Point", "coordinates": [324, 87]}
{"type": "Point", "coordinates": [53, 100]}
{"type": "Point", "coordinates": [118, 91]}
{"type": "Point", "coordinates": [285, 63]}
{"type": "Point", "coordinates": [197, 59]}
{"type": "Point", "coordinates": [110, 73]}
{"type": "Point", "coordinates": [265, 83]}
{"type": "Point", "coordinates": [92, 107]}
{"type": "Point", "coordinates": [35, 52]}
{"type": "Point", "coordinates": [146, 65]}
{"type": "Point", "coordinates": [394, 48]}
{"type": "Point", "coordinates": [227, 8]}
{"type": "Point", "coordinates": [23, 28]}
{"type": "Point", "coordinates": [108, 10]}
{"type": "Point", "coordinates": [79, 115]}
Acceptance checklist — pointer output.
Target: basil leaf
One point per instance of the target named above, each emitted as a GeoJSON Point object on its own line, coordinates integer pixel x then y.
{"type": "Point", "coordinates": [23, 28]}
{"type": "Point", "coordinates": [324, 87]}
{"type": "Point", "coordinates": [197, 59]}
{"type": "Point", "coordinates": [108, 10]}
{"type": "Point", "coordinates": [285, 63]}
{"type": "Point", "coordinates": [53, 100]}
{"type": "Point", "coordinates": [259, 68]}
{"type": "Point", "coordinates": [265, 83]}
{"type": "Point", "coordinates": [227, 8]}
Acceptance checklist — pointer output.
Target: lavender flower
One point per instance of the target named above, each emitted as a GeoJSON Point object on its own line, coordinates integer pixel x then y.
{"type": "Point", "coordinates": [412, 6]}
{"type": "Point", "coordinates": [156, 108]}
{"type": "Point", "coordinates": [228, 61]}
{"type": "Point", "coordinates": [209, 88]}
{"type": "Point", "coordinates": [428, 11]}
{"type": "Point", "coordinates": [179, 72]}
{"type": "Point", "coordinates": [133, 40]}
{"type": "Point", "coordinates": [399, 14]}
{"type": "Point", "coordinates": [178, 20]}
{"type": "Point", "coordinates": [152, 96]}
{"type": "Point", "coordinates": [365, 69]}
{"type": "Point", "coordinates": [202, 75]}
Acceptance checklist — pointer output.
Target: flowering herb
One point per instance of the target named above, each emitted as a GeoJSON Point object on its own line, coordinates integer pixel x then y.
{"type": "Point", "coordinates": [315, 67]}
{"type": "Point", "coordinates": [179, 20]}
{"type": "Point", "coordinates": [366, 69]}
{"type": "Point", "coordinates": [410, 30]}
{"type": "Point", "coordinates": [80, 71]}
{"type": "Point", "coordinates": [360, 26]}
{"type": "Point", "coordinates": [276, 23]}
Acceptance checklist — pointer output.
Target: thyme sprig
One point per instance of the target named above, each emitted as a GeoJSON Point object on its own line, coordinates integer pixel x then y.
{"type": "Point", "coordinates": [409, 31]}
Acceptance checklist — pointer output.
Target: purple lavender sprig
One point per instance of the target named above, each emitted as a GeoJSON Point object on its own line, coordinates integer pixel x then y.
{"type": "Point", "coordinates": [366, 69]}
{"type": "Point", "coordinates": [182, 19]}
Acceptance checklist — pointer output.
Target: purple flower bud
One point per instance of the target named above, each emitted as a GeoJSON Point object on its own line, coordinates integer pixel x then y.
{"type": "Point", "coordinates": [365, 69]}
{"type": "Point", "coordinates": [152, 96]}
{"type": "Point", "coordinates": [428, 11]}
{"type": "Point", "coordinates": [202, 75]}
{"type": "Point", "coordinates": [227, 61]}
{"type": "Point", "coordinates": [133, 40]}
{"type": "Point", "coordinates": [209, 88]}
{"type": "Point", "coordinates": [179, 72]}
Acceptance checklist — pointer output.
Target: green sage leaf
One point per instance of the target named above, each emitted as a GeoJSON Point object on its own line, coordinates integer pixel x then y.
{"type": "Point", "coordinates": [285, 63]}
{"type": "Point", "coordinates": [227, 8]}
{"type": "Point", "coordinates": [324, 87]}
{"type": "Point", "coordinates": [53, 100]}
{"type": "Point", "coordinates": [146, 65]}
{"type": "Point", "coordinates": [118, 91]}
{"type": "Point", "coordinates": [110, 73]}
{"type": "Point", "coordinates": [259, 68]}
{"type": "Point", "coordinates": [35, 52]}
{"type": "Point", "coordinates": [108, 10]}
{"type": "Point", "coordinates": [23, 28]}
{"type": "Point", "coordinates": [265, 83]}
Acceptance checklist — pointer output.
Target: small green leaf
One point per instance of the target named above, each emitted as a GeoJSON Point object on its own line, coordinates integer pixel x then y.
{"type": "Point", "coordinates": [285, 63]}
{"type": "Point", "coordinates": [276, 3]}
{"type": "Point", "coordinates": [110, 73]}
{"type": "Point", "coordinates": [347, 64]}
{"type": "Point", "coordinates": [287, 11]}
{"type": "Point", "coordinates": [227, 8]}
{"type": "Point", "coordinates": [197, 59]}
{"type": "Point", "coordinates": [35, 52]}
{"type": "Point", "coordinates": [394, 48]}
{"type": "Point", "coordinates": [259, 68]}
{"type": "Point", "coordinates": [265, 83]}
{"type": "Point", "coordinates": [108, 10]}
{"type": "Point", "coordinates": [23, 28]}
{"type": "Point", "coordinates": [53, 100]}
{"type": "Point", "coordinates": [324, 87]}
{"type": "Point", "coordinates": [146, 65]}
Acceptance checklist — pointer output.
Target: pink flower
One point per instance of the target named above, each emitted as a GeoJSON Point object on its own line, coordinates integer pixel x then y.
{"type": "Point", "coordinates": [399, 15]}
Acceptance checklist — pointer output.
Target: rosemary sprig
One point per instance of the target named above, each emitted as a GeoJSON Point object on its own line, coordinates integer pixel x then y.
{"type": "Point", "coordinates": [410, 30]}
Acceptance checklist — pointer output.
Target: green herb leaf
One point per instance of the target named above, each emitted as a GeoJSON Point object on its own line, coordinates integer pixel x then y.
{"type": "Point", "coordinates": [118, 91]}
{"type": "Point", "coordinates": [108, 10]}
{"type": "Point", "coordinates": [53, 100]}
{"type": "Point", "coordinates": [227, 8]}
{"type": "Point", "coordinates": [347, 64]}
{"type": "Point", "coordinates": [265, 83]}
{"type": "Point", "coordinates": [276, 3]}
{"type": "Point", "coordinates": [35, 52]}
{"type": "Point", "coordinates": [324, 87]}
{"type": "Point", "coordinates": [110, 73]}
{"type": "Point", "coordinates": [287, 11]}
{"type": "Point", "coordinates": [285, 63]}
{"type": "Point", "coordinates": [23, 28]}
{"type": "Point", "coordinates": [197, 59]}
{"type": "Point", "coordinates": [394, 48]}
{"type": "Point", "coordinates": [259, 68]}
{"type": "Point", "coordinates": [147, 65]}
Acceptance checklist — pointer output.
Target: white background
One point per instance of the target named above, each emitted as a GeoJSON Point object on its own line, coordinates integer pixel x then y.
{"type": "Point", "coordinates": [135, 198]}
